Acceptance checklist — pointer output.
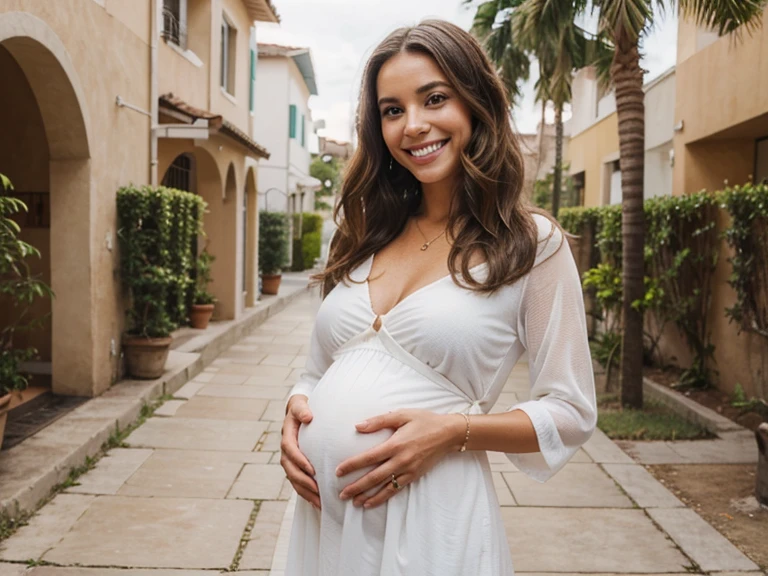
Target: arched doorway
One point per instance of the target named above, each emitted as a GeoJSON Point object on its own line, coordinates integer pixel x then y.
{"type": "Point", "coordinates": [44, 150]}
{"type": "Point", "coordinates": [250, 239]}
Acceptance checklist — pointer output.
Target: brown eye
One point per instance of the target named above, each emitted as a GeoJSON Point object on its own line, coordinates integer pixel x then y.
{"type": "Point", "coordinates": [391, 111]}
{"type": "Point", "coordinates": [436, 99]}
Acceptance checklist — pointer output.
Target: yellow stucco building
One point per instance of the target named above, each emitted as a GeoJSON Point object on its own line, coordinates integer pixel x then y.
{"type": "Point", "coordinates": [98, 94]}
{"type": "Point", "coordinates": [706, 125]}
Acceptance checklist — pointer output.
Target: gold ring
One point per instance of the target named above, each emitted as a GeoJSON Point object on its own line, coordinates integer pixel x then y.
{"type": "Point", "coordinates": [395, 483]}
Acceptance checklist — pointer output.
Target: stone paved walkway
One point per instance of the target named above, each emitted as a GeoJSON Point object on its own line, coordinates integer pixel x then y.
{"type": "Point", "coordinates": [199, 491]}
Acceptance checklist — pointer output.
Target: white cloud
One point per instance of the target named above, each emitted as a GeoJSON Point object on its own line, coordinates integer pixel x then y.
{"type": "Point", "coordinates": [342, 33]}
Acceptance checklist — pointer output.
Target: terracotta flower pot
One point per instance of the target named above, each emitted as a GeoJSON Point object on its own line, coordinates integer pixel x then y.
{"type": "Point", "coordinates": [145, 357]}
{"type": "Point", "coordinates": [4, 403]}
{"type": "Point", "coordinates": [270, 283]}
{"type": "Point", "coordinates": [200, 315]}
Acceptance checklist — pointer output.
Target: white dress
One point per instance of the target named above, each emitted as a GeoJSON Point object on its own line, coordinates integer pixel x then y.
{"type": "Point", "coordinates": [445, 349]}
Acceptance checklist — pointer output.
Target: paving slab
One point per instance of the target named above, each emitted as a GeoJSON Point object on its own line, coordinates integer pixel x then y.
{"type": "Point", "coordinates": [503, 492]}
{"type": "Point", "coordinates": [164, 475]}
{"type": "Point", "coordinates": [241, 391]}
{"type": "Point", "coordinates": [275, 411]}
{"type": "Point", "coordinates": [155, 533]}
{"type": "Point", "coordinates": [705, 545]}
{"type": "Point", "coordinates": [260, 549]}
{"type": "Point", "coordinates": [642, 487]}
{"type": "Point", "coordinates": [651, 452]}
{"type": "Point", "coordinates": [284, 360]}
{"type": "Point", "coordinates": [169, 408]}
{"type": "Point", "coordinates": [111, 471]}
{"type": "Point", "coordinates": [604, 451]}
{"type": "Point", "coordinates": [12, 569]}
{"type": "Point", "coordinates": [224, 378]}
{"type": "Point", "coordinates": [576, 485]}
{"type": "Point", "coordinates": [189, 389]}
{"type": "Point", "coordinates": [46, 528]}
{"type": "Point", "coordinates": [259, 482]}
{"type": "Point", "coordinates": [593, 540]}
{"type": "Point", "coordinates": [197, 434]}
{"type": "Point", "coordinates": [212, 407]}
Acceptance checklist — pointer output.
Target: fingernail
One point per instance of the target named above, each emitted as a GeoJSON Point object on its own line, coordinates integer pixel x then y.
{"type": "Point", "coordinates": [342, 496]}
{"type": "Point", "coordinates": [363, 424]}
{"type": "Point", "coordinates": [339, 472]}
{"type": "Point", "coordinates": [367, 505]}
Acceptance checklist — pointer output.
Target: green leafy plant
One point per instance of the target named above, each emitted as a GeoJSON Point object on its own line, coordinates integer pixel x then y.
{"type": "Point", "coordinates": [19, 288]}
{"type": "Point", "coordinates": [156, 229]}
{"type": "Point", "coordinates": [273, 242]}
{"type": "Point", "coordinates": [747, 235]}
{"type": "Point", "coordinates": [203, 278]}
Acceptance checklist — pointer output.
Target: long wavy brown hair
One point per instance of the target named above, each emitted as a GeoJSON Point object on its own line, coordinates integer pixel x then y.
{"type": "Point", "coordinates": [487, 212]}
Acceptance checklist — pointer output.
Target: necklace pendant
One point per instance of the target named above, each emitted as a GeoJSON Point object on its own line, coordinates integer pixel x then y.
{"type": "Point", "coordinates": [424, 246]}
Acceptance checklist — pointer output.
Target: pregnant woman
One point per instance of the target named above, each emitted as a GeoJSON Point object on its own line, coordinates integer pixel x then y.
{"type": "Point", "coordinates": [439, 278]}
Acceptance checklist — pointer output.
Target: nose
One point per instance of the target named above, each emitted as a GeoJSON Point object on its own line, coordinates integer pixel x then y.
{"type": "Point", "coordinates": [415, 124]}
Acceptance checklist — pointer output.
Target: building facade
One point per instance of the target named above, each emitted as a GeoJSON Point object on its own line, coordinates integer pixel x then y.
{"type": "Point", "coordinates": [283, 125]}
{"type": "Point", "coordinates": [593, 149]}
{"type": "Point", "coordinates": [84, 83]}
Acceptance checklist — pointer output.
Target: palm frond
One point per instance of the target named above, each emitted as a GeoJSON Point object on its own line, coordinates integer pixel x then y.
{"type": "Point", "coordinates": [626, 18]}
{"type": "Point", "coordinates": [725, 16]}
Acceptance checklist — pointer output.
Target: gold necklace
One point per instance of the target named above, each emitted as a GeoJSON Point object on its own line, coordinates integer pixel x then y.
{"type": "Point", "coordinates": [427, 243]}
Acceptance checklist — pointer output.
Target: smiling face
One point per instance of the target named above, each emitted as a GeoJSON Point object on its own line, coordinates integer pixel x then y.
{"type": "Point", "coordinates": [424, 123]}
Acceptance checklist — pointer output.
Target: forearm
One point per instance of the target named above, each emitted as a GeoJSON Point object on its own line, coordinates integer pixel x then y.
{"type": "Point", "coordinates": [509, 432]}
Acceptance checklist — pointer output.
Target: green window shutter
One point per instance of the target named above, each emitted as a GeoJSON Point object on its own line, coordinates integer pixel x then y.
{"type": "Point", "coordinates": [253, 80]}
{"type": "Point", "coordinates": [292, 121]}
{"type": "Point", "coordinates": [302, 129]}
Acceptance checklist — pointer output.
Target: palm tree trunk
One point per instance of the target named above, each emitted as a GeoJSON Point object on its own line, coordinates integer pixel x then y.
{"type": "Point", "coordinates": [557, 184]}
{"type": "Point", "coordinates": [630, 107]}
{"type": "Point", "coordinates": [540, 157]}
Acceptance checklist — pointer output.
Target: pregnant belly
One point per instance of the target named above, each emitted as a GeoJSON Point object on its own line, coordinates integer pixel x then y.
{"type": "Point", "coordinates": [359, 385]}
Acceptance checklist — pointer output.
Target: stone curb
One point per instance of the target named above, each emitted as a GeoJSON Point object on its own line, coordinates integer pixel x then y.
{"type": "Point", "coordinates": [123, 401]}
{"type": "Point", "coordinates": [687, 408]}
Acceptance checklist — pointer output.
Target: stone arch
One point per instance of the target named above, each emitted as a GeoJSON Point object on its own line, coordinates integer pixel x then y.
{"type": "Point", "coordinates": [41, 66]}
{"type": "Point", "coordinates": [251, 238]}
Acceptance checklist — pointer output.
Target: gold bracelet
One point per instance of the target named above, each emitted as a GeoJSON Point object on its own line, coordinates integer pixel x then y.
{"type": "Point", "coordinates": [466, 438]}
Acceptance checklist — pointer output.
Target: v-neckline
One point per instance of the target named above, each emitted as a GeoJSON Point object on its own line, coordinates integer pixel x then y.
{"type": "Point", "coordinates": [407, 296]}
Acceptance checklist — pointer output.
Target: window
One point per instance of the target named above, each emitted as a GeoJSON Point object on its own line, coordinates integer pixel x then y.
{"type": "Point", "coordinates": [179, 174]}
{"type": "Point", "coordinates": [175, 22]}
{"type": "Point", "coordinates": [228, 52]}
{"type": "Point", "coordinates": [292, 121]}
{"type": "Point", "coordinates": [252, 85]}
{"type": "Point", "coordinates": [303, 124]}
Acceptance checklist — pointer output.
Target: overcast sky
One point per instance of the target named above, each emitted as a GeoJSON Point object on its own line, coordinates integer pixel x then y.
{"type": "Point", "coordinates": [342, 33]}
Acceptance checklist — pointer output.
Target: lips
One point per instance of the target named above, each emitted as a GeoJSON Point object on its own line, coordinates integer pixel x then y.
{"type": "Point", "coordinates": [427, 150]}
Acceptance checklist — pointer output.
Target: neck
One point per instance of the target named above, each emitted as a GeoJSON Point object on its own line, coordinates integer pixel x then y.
{"type": "Point", "coordinates": [436, 201]}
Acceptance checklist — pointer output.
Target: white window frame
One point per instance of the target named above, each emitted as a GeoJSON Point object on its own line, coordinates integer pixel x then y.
{"type": "Point", "coordinates": [227, 29]}
{"type": "Point", "coordinates": [182, 22]}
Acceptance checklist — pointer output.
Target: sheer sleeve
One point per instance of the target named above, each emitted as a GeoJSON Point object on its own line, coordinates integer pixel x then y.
{"type": "Point", "coordinates": [552, 326]}
{"type": "Point", "coordinates": [318, 361]}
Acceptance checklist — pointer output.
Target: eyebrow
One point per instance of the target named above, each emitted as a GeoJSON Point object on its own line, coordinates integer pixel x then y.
{"type": "Point", "coordinates": [426, 88]}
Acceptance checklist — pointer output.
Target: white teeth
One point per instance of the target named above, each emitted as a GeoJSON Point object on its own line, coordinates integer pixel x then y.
{"type": "Point", "coordinates": [428, 150]}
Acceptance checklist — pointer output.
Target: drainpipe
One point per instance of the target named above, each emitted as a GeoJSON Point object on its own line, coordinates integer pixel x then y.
{"type": "Point", "coordinates": [156, 7]}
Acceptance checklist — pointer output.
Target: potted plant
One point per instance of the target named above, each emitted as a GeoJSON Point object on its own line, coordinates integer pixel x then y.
{"type": "Point", "coordinates": [204, 302]}
{"type": "Point", "coordinates": [18, 289]}
{"type": "Point", "coordinates": [273, 249]}
{"type": "Point", "coordinates": [149, 220]}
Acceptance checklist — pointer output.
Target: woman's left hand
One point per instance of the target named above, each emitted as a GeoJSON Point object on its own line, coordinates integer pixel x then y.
{"type": "Point", "coordinates": [420, 440]}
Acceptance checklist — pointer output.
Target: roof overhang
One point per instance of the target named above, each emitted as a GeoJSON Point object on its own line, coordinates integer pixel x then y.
{"type": "Point", "coordinates": [261, 10]}
{"type": "Point", "coordinates": [189, 115]}
{"type": "Point", "coordinates": [301, 57]}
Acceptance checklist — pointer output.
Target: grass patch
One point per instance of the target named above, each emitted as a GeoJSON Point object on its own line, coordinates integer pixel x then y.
{"type": "Point", "coordinates": [654, 422]}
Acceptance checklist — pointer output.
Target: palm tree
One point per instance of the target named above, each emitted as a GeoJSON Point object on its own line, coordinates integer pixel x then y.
{"type": "Point", "coordinates": [624, 22]}
{"type": "Point", "coordinates": [513, 32]}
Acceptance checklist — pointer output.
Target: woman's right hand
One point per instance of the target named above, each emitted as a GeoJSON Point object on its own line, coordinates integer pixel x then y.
{"type": "Point", "coordinates": [298, 469]}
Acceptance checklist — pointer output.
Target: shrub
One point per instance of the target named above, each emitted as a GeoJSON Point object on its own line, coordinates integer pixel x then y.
{"type": "Point", "coordinates": [310, 247]}
{"type": "Point", "coordinates": [273, 242]}
{"type": "Point", "coordinates": [203, 278]}
{"type": "Point", "coordinates": [156, 229]}
{"type": "Point", "coordinates": [18, 288]}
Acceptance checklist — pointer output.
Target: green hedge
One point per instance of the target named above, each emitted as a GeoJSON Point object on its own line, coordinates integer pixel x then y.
{"type": "Point", "coordinates": [681, 247]}
{"type": "Point", "coordinates": [306, 248]}
{"type": "Point", "coordinates": [156, 230]}
{"type": "Point", "coordinates": [274, 232]}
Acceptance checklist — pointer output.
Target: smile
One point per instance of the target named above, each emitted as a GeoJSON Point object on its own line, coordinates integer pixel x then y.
{"type": "Point", "coordinates": [427, 150]}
